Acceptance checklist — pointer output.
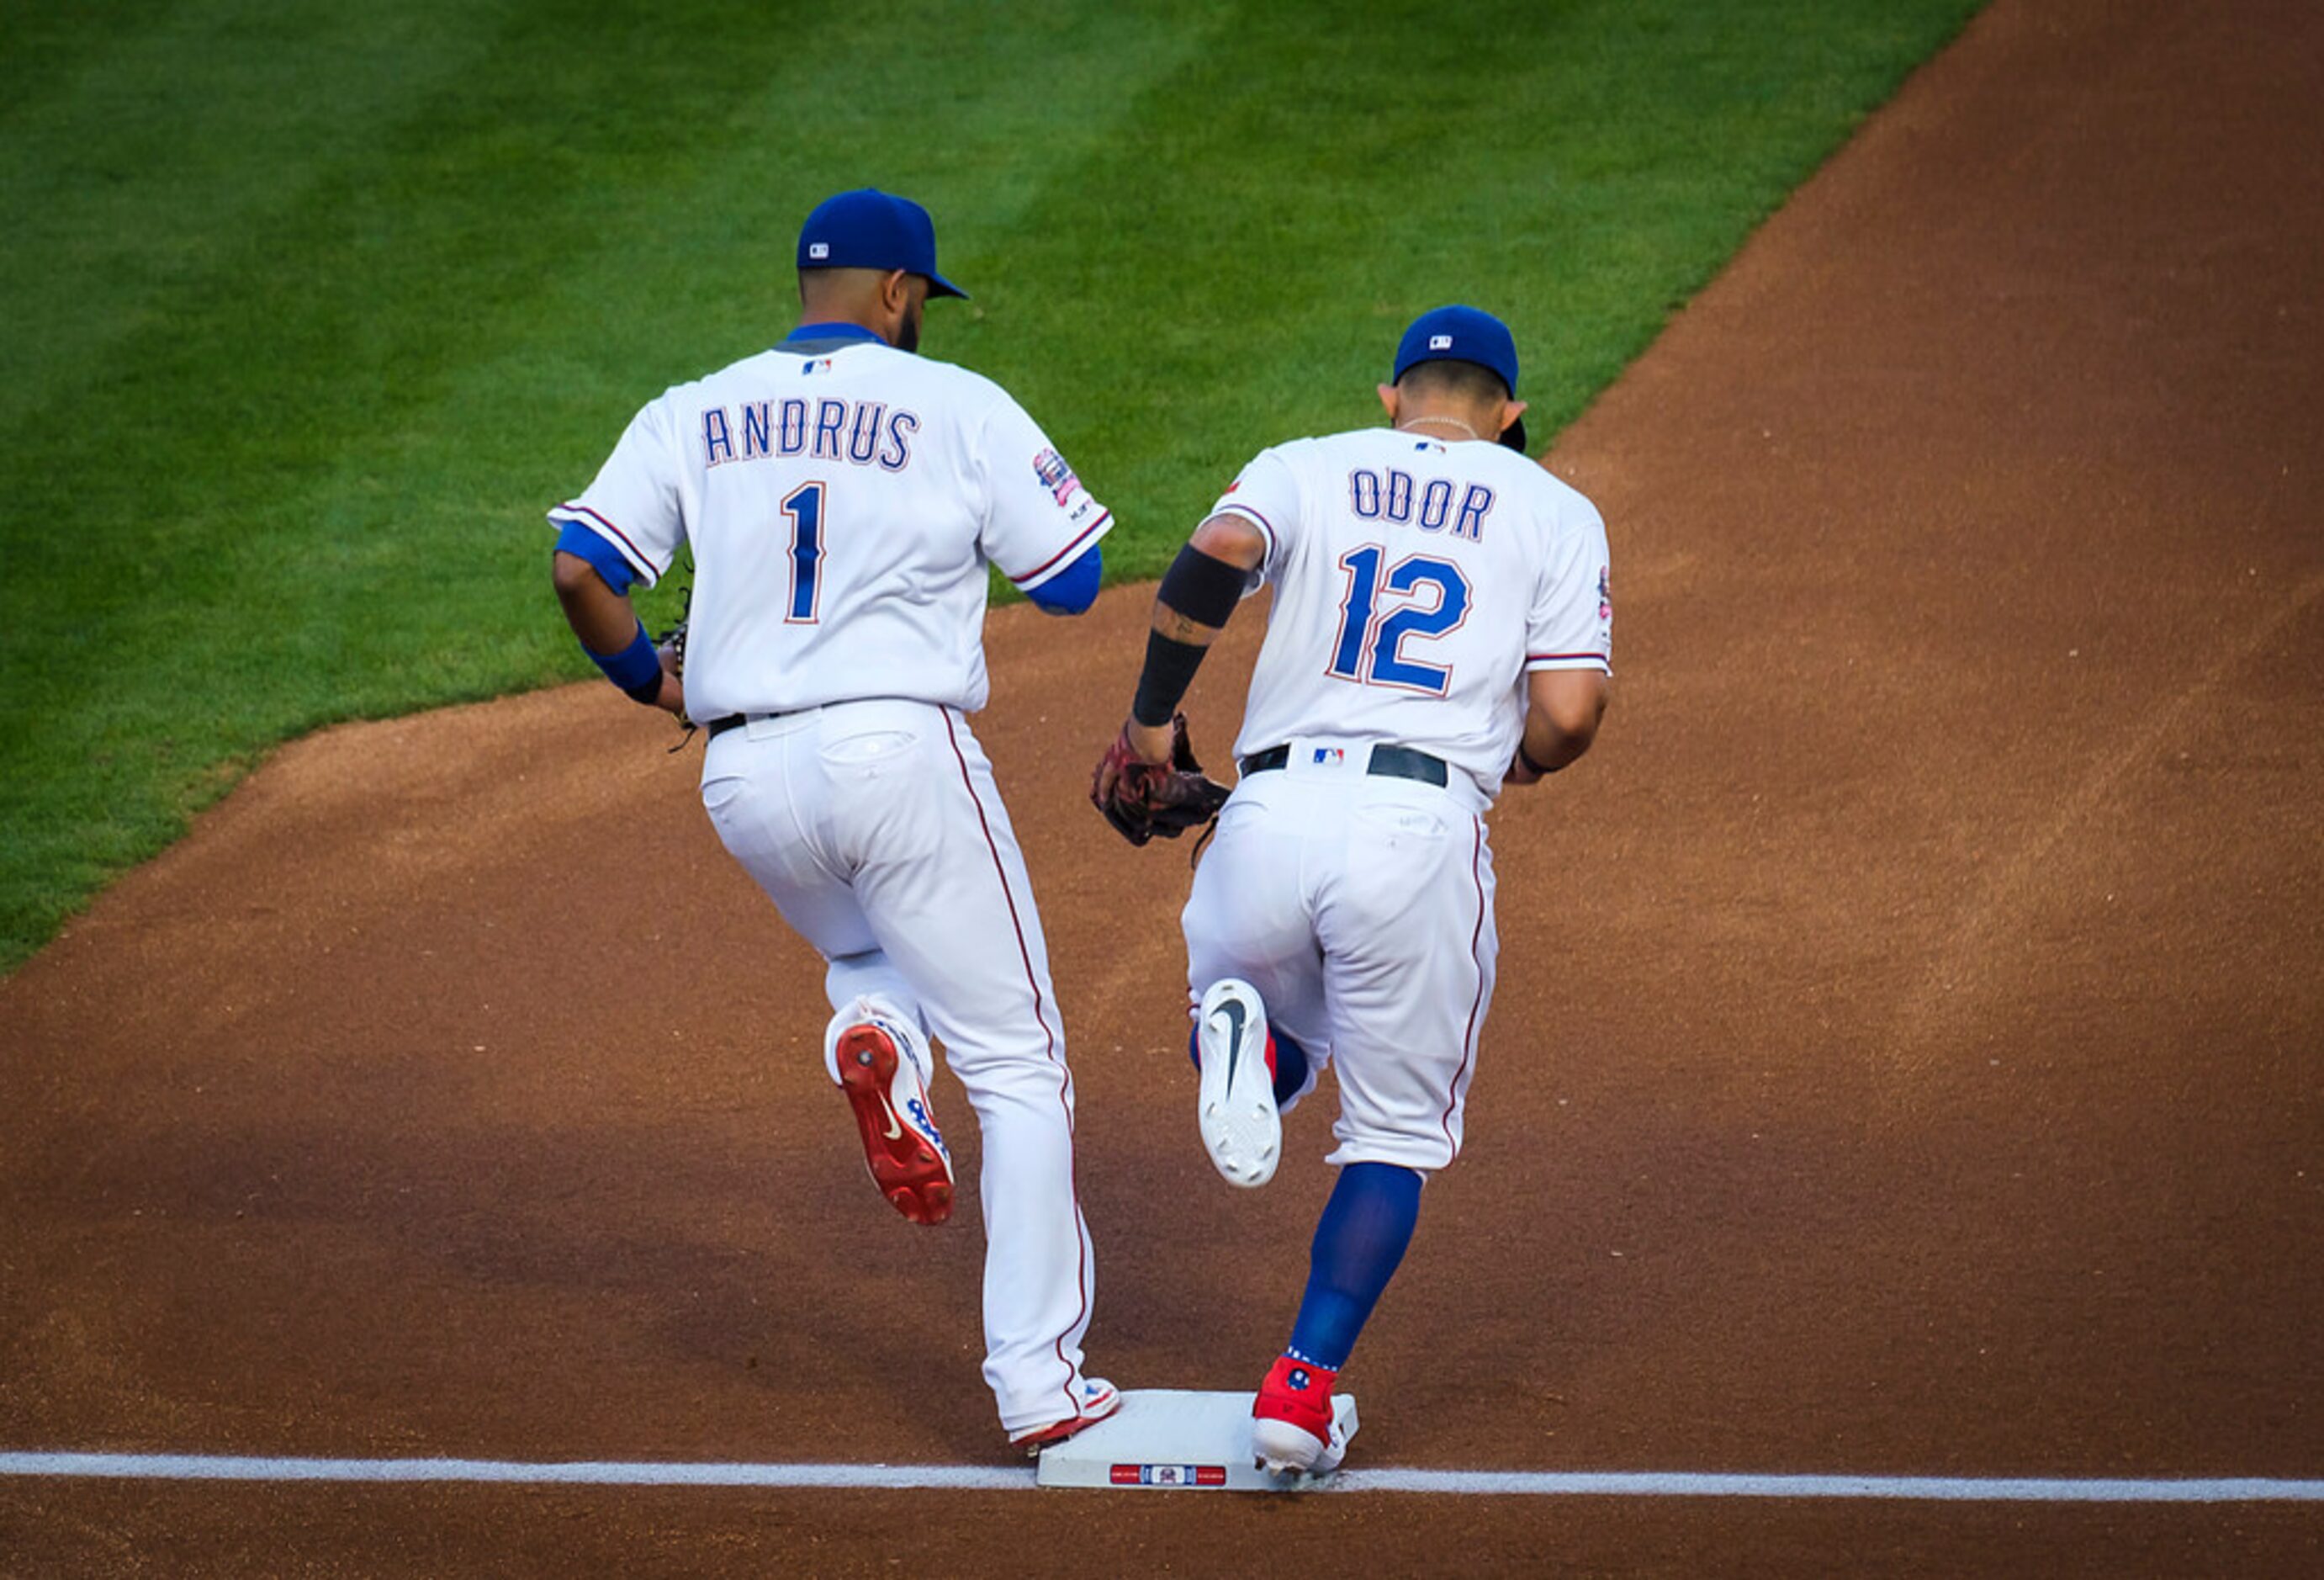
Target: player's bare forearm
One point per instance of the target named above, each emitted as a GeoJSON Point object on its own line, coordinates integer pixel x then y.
{"type": "Point", "coordinates": [606, 620]}
{"type": "Point", "coordinates": [1563, 709]}
{"type": "Point", "coordinates": [601, 617]}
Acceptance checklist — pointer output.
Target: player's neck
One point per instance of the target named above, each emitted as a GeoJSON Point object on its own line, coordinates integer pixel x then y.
{"type": "Point", "coordinates": [1437, 425]}
{"type": "Point", "coordinates": [812, 319]}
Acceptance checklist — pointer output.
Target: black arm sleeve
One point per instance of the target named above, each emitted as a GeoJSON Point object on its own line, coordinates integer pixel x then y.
{"type": "Point", "coordinates": [1170, 666]}
{"type": "Point", "coordinates": [1206, 590]}
{"type": "Point", "coordinates": [1203, 589]}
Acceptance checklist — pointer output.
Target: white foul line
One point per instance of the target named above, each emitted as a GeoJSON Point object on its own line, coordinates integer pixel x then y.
{"type": "Point", "coordinates": [232, 1467]}
{"type": "Point", "coordinates": [227, 1467]}
{"type": "Point", "coordinates": [1903, 1488]}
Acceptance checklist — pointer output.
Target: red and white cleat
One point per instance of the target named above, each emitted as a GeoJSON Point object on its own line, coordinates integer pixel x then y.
{"type": "Point", "coordinates": [882, 1063]}
{"type": "Point", "coordinates": [1099, 1399]}
{"type": "Point", "coordinates": [1294, 1430]}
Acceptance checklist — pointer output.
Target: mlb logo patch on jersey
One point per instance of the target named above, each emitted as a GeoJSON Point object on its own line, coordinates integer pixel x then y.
{"type": "Point", "coordinates": [1050, 467]}
{"type": "Point", "coordinates": [813, 365]}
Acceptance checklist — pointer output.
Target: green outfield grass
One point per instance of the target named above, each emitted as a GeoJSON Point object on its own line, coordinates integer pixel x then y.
{"type": "Point", "coordinates": [312, 308]}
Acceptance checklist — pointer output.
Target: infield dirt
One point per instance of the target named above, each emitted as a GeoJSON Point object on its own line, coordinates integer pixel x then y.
{"type": "Point", "coordinates": [1906, 1058]}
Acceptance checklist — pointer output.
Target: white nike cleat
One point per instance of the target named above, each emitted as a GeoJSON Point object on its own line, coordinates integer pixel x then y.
{"type": "Point", "coordinates": [882, 1063]}
{"type": "Point", "coordinates": [1241, 1129]}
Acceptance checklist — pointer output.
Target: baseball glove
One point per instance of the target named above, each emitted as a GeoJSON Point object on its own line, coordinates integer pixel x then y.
{"type": "Point", "coordinates": [1142, 798]}
{"type": "Point", "coordinates": [670, 646]}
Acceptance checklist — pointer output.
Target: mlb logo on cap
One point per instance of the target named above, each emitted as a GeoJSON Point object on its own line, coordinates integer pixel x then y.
{"type": "Point", "coordinates": [1458, 334]}
{"type": "Point", "coordinates": [818, 250]}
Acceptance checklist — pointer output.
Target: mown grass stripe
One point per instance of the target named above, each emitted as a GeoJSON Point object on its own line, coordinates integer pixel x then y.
{"type": "Point", "coordinates": [127, 174]}
{"type": "Point", "coordinates": [288, 467]}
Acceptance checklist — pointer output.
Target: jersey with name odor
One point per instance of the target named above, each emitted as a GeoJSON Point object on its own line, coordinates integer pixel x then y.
{"type": "Point", "coordinates": [1415, 583]}
{"type": "Point", "coordinates": [842, 503]}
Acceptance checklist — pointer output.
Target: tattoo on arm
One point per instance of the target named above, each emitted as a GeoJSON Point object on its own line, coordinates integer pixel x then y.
{"type": "Point", "coordinates": [1179, 627]}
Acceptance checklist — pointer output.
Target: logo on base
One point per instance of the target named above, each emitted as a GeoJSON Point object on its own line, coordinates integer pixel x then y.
{"type": "Point", "coordinates": [1168, 1476]}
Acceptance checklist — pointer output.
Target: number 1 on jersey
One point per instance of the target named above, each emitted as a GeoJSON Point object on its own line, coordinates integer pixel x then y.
{"type": "Point", "coordinates": [805, 507]}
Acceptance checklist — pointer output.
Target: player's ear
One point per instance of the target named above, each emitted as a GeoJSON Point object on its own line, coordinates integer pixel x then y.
{"type": "Point", "coordinates": [1510, 411]}
{"type": "Point", "coordinates": [1387, 400]}
{"type": "Point", "coordinates": [895, 291]}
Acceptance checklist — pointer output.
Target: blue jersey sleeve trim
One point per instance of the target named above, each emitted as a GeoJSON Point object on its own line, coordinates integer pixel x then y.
{"type": "Point", "coordinates": [604, 559]}
{"type": "Point", "coordinates": [1074, 588]}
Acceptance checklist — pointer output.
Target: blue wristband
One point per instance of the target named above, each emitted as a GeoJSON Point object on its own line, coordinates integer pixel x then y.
{"type": "Point", "coordinates": [636, 669]}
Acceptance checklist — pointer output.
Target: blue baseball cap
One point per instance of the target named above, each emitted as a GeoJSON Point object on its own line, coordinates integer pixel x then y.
{"type": "Point", "coordinates": [871, 229]}
{"type": "Point", "coordinates": [1458, 334]}
{"type": "Point", "coordinates": [1464, 334]}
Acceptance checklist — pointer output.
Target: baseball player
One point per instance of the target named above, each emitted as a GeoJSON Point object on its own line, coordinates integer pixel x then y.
{"type": "Point", "coordinates": [843, 498]}
{"type": "Point", "coordinates": [1441, 627]}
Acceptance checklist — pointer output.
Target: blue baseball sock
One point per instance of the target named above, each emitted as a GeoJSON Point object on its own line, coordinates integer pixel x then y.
{"type": "Point", "coordinates": [1290, 1067]}
{"type": "Point", "coordinates": [1360, 1239]}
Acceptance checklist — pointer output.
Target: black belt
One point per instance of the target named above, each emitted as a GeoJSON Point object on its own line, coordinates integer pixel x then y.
{"type": "Point", "coordinates": [1387, 762]}
{"type": "Point", "coordinates": [735, 721]}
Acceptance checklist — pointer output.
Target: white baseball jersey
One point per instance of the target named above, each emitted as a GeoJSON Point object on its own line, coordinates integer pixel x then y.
{"type": "Point", "coordinates": [842, 507]}
{"type": "Point", "coordinates": [1415, 584]}
{"type": "Point", "coordinates": [843, 500]}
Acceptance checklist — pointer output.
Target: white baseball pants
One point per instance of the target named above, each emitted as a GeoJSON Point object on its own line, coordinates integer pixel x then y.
{"type": "Point", "coordinates": [1362, 909]}
{"type": "Point", "coordinates": [876, 829]}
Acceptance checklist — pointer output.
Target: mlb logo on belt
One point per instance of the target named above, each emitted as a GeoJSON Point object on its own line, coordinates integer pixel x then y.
{"type": "Point", "coordinates": [1331, 756]}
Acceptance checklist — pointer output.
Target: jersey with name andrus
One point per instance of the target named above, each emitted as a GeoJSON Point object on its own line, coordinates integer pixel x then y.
{"type": "Point", "coordinates": [843, 504]}
{"type": "Point", "coordinates": [1415, 583]}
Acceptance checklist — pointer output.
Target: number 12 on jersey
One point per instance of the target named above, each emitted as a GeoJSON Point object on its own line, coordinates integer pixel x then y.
{"type": "Point", "coordinates": [1371, 647]}
{"type": "Point", "coordinates": [804, 505]}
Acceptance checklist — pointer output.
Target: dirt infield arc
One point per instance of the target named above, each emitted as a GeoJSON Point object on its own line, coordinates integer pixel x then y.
{"type": "Point", "coordinates": [1906, 1061]}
